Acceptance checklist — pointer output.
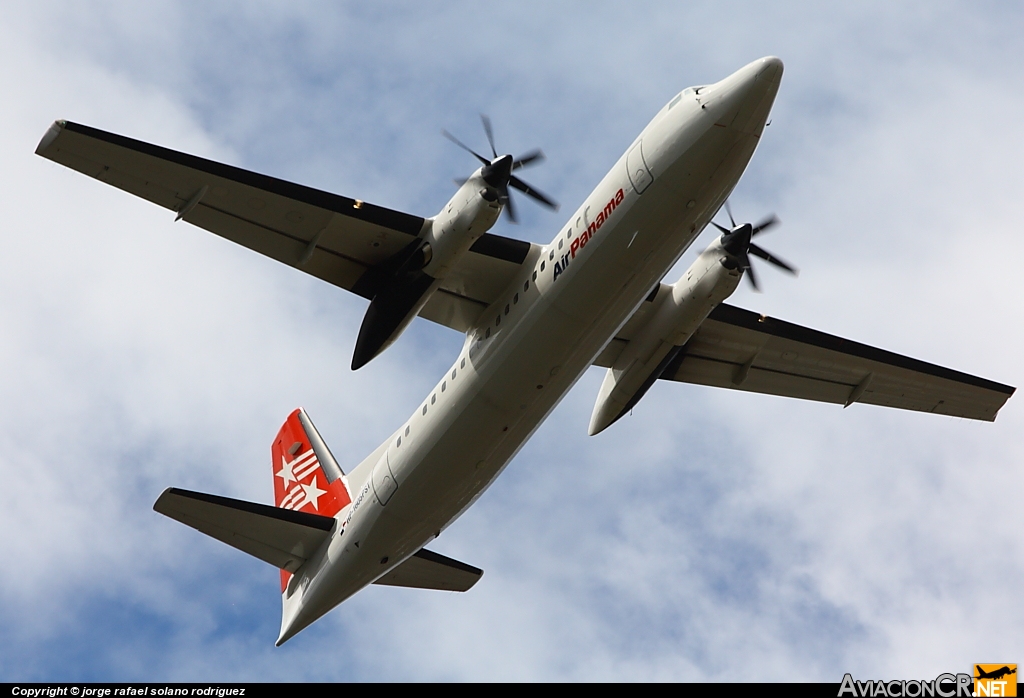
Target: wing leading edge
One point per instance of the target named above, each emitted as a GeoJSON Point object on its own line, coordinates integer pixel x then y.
{"type": "Point", "coordinates": [331, 237]}
{"type": "Point", "coordinates": [737, 349]}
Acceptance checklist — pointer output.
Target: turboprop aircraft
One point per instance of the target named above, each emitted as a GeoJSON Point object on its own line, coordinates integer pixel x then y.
{"type": "Point", "coordinates": [535, 318]}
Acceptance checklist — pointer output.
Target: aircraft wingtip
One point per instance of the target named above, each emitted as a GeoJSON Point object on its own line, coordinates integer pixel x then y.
{"type": "Point", "coordinates": [50, 136]}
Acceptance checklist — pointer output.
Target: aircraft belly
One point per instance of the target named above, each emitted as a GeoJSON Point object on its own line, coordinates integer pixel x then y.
{"type": "Point", "coordinates": [551, 347]}
{"type": "Point", "coordinates": [524, 369]}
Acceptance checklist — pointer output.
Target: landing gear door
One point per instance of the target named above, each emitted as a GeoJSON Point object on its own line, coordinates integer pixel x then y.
{"type": "Point", "coordinates": [384, 483]}
{"type": "Point", "coordinates": [636, 167]}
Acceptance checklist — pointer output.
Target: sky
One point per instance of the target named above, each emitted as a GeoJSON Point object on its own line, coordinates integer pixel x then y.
{"type": "Point", "coordinates": [712, 535]}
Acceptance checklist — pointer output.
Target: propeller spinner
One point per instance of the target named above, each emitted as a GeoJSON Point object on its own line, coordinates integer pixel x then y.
{"type": "Point", "coordinates": [497, 172]}
{"type": "Point", "coordinates": [737, 242]}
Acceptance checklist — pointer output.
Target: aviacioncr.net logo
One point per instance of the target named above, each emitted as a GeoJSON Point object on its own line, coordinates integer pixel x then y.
{"type": "Point", "coordinates": [942, 686]}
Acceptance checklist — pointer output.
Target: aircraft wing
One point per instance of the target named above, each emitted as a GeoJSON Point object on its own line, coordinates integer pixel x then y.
{"type": "Point", "coordinates": [738, 349]}
{"type": "Point", "coordinates": [332, 237]}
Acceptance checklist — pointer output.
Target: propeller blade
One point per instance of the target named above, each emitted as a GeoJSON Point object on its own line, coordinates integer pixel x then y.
{"type": "Point", "coordinates": [768, 257]}
{"type": "Point", "coordinates": [749, 268]}
{"type": "Point", "coordinates": [525, 160]}
{"type": "Point", "coordinates": [465, 147]}
{"type": "Point", "coordinates": [489, 132]}
{"type": "Point", "coordinates": [497, 173]}
{"type": "Point", "coordinates": [724, 231]}
{"type": "Point", "coordinates": [766, 223]}
{"type": "Point", "coordinates": [531, 192]}
{"type": "Point", "coordinates": [510, 209]}
{"type": "Point", "coordinates": [728, 210]}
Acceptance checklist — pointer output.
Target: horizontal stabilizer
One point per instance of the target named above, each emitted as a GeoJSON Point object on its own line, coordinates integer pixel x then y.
{"type": "Point", "coordinates": [427, 570]}
{"type": "Point", "coordinates": [282, 537]}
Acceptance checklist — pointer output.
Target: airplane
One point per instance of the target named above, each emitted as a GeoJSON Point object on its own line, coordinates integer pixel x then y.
{"type": "Point", "coordinates": [535, 318]}
{"type": "Point", "coordinates": [995, 674]}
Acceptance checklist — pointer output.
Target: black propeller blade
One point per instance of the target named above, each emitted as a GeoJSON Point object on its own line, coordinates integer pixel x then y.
{"type": "Point", "coordinates": [768, 257]}
{"type": "Point", "coordinates": [465, 147]}
{"type": "Point", "coordinates": [737, 242]}
{"type": "Point", "coordinates": [765, 224]}
{"type": "Point", "coordinates": [728, 210]}
{"type": "Point", "coordinates": [510, 209]}
{"type": "Point", "coordinates": [498, 171]}
{"type": "Point", "coordinates": [489, 132]}
{"type": "Point", "coordinates": [530, 191]}
{"type": "Point", "coordinates": [525, 160]}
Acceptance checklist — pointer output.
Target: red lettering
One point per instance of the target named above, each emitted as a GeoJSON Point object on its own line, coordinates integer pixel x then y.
{"type": "Point", "coordinates": [602, 218]}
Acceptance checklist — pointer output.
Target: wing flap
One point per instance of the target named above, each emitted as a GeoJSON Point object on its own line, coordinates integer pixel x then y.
{"type": "Point", "coordinates": [429, 570]}
{"type": "Point", "coordinates": [325, 263]}
{"type": "Point", "coordinates": [282, 537]}
{"type": "Point", "coordinates": [738, 349]}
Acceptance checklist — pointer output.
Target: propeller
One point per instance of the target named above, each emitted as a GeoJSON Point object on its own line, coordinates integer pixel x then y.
{"type": "Point", "coordinates": [497, 171]}
{"type": "Point", "coordinates": [737, 242]}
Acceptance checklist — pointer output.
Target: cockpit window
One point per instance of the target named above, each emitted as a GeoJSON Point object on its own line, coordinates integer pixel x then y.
{"type": "Point", "coordinates": [675, 101]}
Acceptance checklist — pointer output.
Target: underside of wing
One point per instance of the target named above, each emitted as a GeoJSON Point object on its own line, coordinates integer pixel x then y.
{"type": "Point", "coordinates": [334, 238]}
{"type": "Point", "coordinates": [428, 570]}
{"type": "Point", "coordinates": [479, 278]}
{"type": "Point", "coordinates": [738, 349]}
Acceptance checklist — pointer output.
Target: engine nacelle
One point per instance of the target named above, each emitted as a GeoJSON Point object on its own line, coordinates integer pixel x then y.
{"type": "Point", "coordinates": [710, 280]}
{"type": "Point", "coordinates": [417, 271]}
{"type": "Point", "coordinates": [469, 214]}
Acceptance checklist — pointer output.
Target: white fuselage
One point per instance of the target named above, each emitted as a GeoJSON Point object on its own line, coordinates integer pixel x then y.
{"type": "Point", "coordinates": [532, 345]}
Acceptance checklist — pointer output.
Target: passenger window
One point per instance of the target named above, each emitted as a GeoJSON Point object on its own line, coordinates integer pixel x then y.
{"type": "Point", "coordinates": [506, 308]}
{"type": "Point", "coordinates": [433, 398]}
{"type": "Point", "coordinates": [487, 333]}
{"type": "Point", "coordinates": [534, 278]}
{"type": "Point", "coordinates": [515, 299]}
{"type": "Point", "coordinates": [399, 442]}
{"type": "Point", "coordinates": [453, 372]}
{"type": "Point", "coordinates": [444, 386]}
{"type": "Point", "coordinates": [463, 364]}
{"type": "Point", "coordinates": [542, 266]}
{"type": "Point", "coordinates": [407, 431]}
{"type": "Point", "coordinates": [559, 244]}
{"type": "Point", "coordinates": [424, 410]}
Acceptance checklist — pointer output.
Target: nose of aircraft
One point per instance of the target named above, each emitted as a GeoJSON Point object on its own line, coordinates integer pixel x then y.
{"type": "Point", "coordinates": [745, 97]}
{"type": "Point", "coordinates": [769, 69]}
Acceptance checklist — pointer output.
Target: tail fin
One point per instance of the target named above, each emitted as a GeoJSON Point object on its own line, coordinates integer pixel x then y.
{"type": "Point", "coordinates": [306, 476]}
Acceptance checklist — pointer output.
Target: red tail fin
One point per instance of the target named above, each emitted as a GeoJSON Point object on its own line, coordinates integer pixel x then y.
{"type": "Point", "coordinates": [306, 476]}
